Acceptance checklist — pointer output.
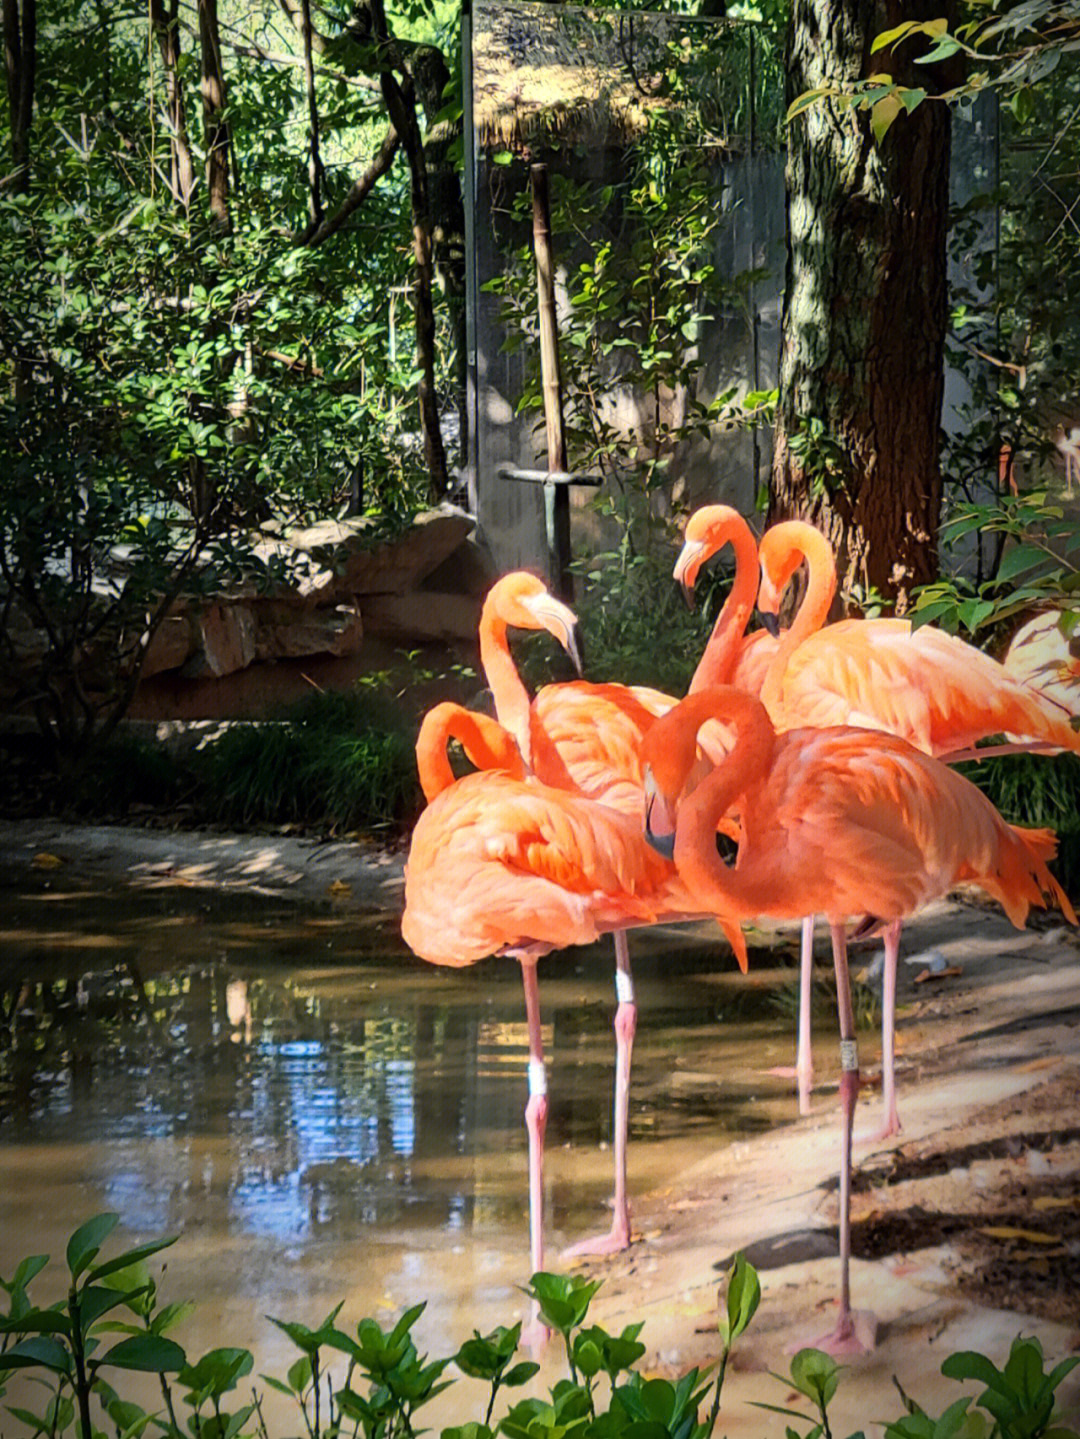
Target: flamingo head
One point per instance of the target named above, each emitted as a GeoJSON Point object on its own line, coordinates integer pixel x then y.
{"type": "Point", "coordinates": [524, 602]}
{"type": "Point", "coordinates": [708, 530]}
{"type": "Point", "coordinates": [669, 760]}
{"type": "Point", "coordinates": [782, 550]}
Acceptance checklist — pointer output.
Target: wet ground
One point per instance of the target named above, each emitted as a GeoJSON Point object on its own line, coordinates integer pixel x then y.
{"type": "Point", "coordinates": [966, 1225]}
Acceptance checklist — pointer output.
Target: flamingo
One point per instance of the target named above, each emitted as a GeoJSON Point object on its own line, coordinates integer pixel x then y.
{"type": "Point", "coordinates": [584, 739]}
{"type": "Point", "coordinates": [730, 657]}
{"type": "Point", "coordinates": [501, 863]}
{"type": "Point", "coordinates": [842, 822]}
{"type": "Point", "coordinates": [931, 688]}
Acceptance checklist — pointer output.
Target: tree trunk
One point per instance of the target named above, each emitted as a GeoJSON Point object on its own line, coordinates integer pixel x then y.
{"type": "Point", "coordinates": [20, 60]}
{"type": "Point", "coordinates": [399, 96]}
{"type": "Point", "coordinates": [862, 356]}
{"type": "Point", "coordinates": [167, 32]}
{"type": "Point", "coordinates": [216, 131]}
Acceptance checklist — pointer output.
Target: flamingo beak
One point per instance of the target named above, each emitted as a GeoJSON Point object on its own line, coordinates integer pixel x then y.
{"type": "Point", "coordinates": [559, 620]}
{"type": "Point", "coordinates": [691, 557]}
{"type": "Point", "coordinates": [659, 830]}
{"type": "Point", "coordinates": [770, 623]}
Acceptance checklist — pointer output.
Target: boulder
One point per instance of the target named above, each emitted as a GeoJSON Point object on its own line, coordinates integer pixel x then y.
{"type": "Point", "coordinates": [337, 631]}
{"type": "Point", "coordinates": [224, 641]}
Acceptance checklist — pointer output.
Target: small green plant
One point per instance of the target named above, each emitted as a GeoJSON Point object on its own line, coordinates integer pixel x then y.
{"type": "Point", "coordinates": [69, 1349]}
{"type": "Point", "coordinates": [1019, 1398]}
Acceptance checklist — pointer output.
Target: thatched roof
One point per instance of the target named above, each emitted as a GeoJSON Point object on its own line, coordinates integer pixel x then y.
{"type": "Point", "coordinates": [544, 73]}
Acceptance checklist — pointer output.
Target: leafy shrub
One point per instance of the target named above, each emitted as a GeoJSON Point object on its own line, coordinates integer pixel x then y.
{"type": "Point", "coordinates": [68, 1348]}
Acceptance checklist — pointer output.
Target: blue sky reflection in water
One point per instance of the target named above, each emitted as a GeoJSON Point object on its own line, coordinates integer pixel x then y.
{"type": "Point", "coordinates": [316, 1111]}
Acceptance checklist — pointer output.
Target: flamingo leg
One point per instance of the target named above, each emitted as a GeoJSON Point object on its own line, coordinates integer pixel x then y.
{"type": "Point", "coordinates": [854, 1333]}
{"type": "Point", "coordinates": [625, 1029]}
{"type": "Point", "coordinates": [535, 1116]}
{"type": "Point", "coordinates": [804, 1053]}
{"type": "Point", "coordinates": [891, 1123]}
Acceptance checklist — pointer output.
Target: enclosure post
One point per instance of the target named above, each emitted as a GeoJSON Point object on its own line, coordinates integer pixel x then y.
{"type": "Point", "coordinates": [556, 497]}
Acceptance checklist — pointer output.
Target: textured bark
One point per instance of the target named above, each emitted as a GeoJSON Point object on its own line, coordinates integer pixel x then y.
{"type": "Point", "coordinates": [865, 303]}
{"type": "Point", "coordinates": [315, 169]}
{"type": "Point", "coordinates": [20, 62]}
{"type": "Point", "coordinates": [167, 33]}
{"type": "Point", "coordinates": [216, 131]}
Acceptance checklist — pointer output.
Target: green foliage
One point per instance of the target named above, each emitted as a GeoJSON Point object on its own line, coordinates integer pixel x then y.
{"type": "Point", "coordinates": [337, 760]}
{"type": "Point", "coordinates": [166, 382]}
{"type": "Point", "coordinates": [387, 1382]}
{"type": "Point", "coordinates": [1038, 548]}
{"type": "Point", "coordinates": [1038, 790]}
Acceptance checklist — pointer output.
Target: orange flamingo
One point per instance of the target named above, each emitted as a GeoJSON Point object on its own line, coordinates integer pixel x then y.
{"type": "Point", "coordinates": [501, 864]}
{"type": "Point", "coordinates": [731, 656]}
{"type": "Point", "coordinates": [842, 822]}
{"type": "Point", "coordinates": [584, 739]}
{"type": "Point", "coordinates": [931, 688]}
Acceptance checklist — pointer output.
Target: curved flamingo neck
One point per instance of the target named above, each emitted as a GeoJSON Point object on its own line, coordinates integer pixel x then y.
{"type": "Point", "coordinates": [483, 739]}
{"type": "Point", "coordinates": [718, 888]}
{"type": "Point", "coordinates": [513, 707]}
{"type": "Point", "coordinates": [718, 658]}
{"type": "Point", "coordinates": [805, 541]}
{"type": "Point", "coordinates": [506, 685]}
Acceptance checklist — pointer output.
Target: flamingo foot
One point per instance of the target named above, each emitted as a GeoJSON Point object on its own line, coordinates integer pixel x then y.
{"type": "Point", "coordinates": [855, 1333]}
{"type": "Point", "coordinates": [597, 1246]}
{"type": "Point", "coordinates": [534, 1332]}
{"type": "Point", "coordinates": [889, 1129]}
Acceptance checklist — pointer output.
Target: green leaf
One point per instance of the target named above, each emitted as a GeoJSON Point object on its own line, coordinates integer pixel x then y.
{"type": "Point", "coordinates": [31, 1353]}
{"type": "Point", "coordinates": [890, 37]}
{"type": "Point", "coordinates": [1022, 104]}
{"type": "Point", "coordinates": [1019, 560]}
{"type": "Point", "coordinates": [808, 98]}
{"type": "Point", "coordinates": [743, 1298]}
{"type": "Point", "coordinates": [815, 1374]}
{"type": "Point", "coordinates": [130, 1259]}
{"type": "Point", "coordinates": [147, 1353]}
{"type": "Point", "coordinates": [87, 1240]}
{"type": "Point", "coordinates": [883, 114]}
{"type": "Point", "coordinates": [969, 1364]}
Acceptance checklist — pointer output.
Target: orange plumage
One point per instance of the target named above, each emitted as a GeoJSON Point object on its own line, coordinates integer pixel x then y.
{"type": "Point", "coordinates": [927, 686]}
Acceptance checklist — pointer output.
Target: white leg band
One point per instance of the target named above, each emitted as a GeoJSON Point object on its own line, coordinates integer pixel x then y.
{"type": "Point", "coordinates": [849, 1056]}
{"type": "Point", "coordinates": [537, 1078]}
{"type": "Point", "coordinates": [624, 987]}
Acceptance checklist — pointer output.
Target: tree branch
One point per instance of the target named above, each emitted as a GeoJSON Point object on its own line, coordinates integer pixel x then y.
{"type": "Point", "coordinates": [358, 192]}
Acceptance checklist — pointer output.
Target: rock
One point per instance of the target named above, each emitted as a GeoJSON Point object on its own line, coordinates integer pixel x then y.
{"type": "Point", "coordinates": [170, 647]}
{"type": "Point", "coordinates": [224, 641]}
{"type": "Point", "coordinates": [337, 631]}
{"type": "Point", "coordinates": [423, 615]}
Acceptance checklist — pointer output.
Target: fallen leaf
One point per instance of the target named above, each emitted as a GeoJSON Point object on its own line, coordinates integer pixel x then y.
{"type": "Point", "coordinates": [44, 860]}
{"type": "Point", "coordinates": [1057, 1201]}
{"type": "Point", "coordinates": [953, 971]}
{"type": "Point", "coordinates": [1029, 1236]}
{"type": "Point", "coordinates": [339, 886]}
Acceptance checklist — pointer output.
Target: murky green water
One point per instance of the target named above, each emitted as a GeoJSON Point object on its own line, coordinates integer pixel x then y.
{"type": "Point", "coordinates": [321, 1116]}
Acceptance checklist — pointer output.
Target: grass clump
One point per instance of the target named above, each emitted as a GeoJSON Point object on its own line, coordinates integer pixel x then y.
{"type": "Point", "coordinates": [338, 761]}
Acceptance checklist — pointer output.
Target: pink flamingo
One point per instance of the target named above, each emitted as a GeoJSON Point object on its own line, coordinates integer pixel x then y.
{"type": "Point", "coordinates": [842, 822]}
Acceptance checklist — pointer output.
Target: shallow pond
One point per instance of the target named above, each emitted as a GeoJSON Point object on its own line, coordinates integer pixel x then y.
{"type": "Point", "coordinates": [320, 1116]}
